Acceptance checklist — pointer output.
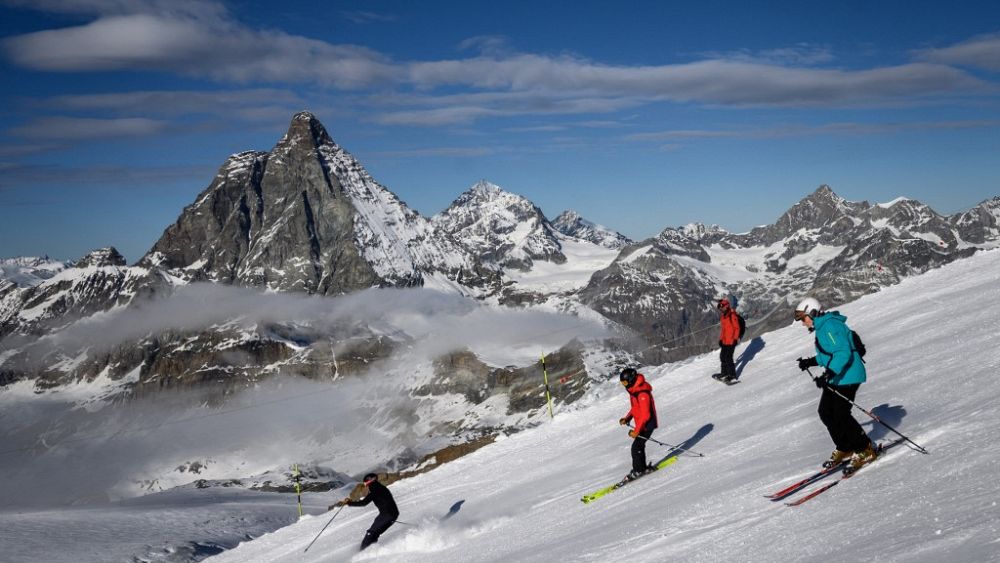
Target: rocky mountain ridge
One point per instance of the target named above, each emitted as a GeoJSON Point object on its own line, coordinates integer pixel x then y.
{"type": "Point", "coordinates": [306, 217]}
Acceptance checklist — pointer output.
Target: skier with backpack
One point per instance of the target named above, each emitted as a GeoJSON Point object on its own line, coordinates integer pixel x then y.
{"type": "Point", "coordinates": [839, 352]}
{"type": "Point", "coordinates": [643, 412]}
{"type": "Point", "coordinates": [732, 328]}
{"type": "Point", "coordinates": [387, 510]}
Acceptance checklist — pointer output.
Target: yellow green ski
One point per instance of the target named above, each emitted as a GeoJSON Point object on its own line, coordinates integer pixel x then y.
{"type": "Point", "coordinates": [601, 492]}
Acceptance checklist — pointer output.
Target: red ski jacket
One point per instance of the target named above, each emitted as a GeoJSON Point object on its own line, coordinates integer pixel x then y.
{"type": "Point", "coordinates": [643, 409]}
{"type": "Point", "coordinates": [730, 333]}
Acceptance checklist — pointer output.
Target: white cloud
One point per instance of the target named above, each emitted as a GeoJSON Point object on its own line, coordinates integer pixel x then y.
{"type": "Point", "coordinates": [200, 38]}
{"type": "Point", "coordinates": [79, 128]}
{"type": "Point", "coordinates": [439, 151]}
{"type": "Point", "coordinates": [787, 131]}
{"type": "Point", "coordinates": [981, 52]}
{"type": "Point", "coordinates": [365, 17]}
{"type": "Point", "coordinates": [177, 102]}
{"type": "Point", "coordinates": [189, 44]}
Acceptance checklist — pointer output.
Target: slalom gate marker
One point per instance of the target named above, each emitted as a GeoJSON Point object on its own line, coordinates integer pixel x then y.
{"type": "Point", "coordinates": [298, 487]}
{"type": "Point", "coordinates": [548, 394]}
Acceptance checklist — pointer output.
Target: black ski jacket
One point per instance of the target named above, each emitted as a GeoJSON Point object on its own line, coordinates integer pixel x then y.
{"type": "Point", "coordinates": [380, 495]}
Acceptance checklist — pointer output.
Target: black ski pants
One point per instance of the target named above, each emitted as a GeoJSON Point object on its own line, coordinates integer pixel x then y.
{"type": "Point", "coordinates": [835, 412]}
{"type": "Point", "coordinates": [726, 357]}
{"type": "Point", "coordinates": [378, 527]}
{"type": "Point", "coordinates": [639, 450]}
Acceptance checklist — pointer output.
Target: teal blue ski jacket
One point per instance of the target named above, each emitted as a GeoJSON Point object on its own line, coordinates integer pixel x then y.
{"type": "Point", "coordinates": [835, 349]}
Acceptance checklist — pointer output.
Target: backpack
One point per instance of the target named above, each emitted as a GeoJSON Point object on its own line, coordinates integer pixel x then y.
{"type": "Point", "coordinates": [859, 346]}
{"type": "Point", "coordinates": [743, 329]}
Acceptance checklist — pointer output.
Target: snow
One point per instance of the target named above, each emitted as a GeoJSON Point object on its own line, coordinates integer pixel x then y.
{"type": "Point", "coordinates": [582, 260]}
{"type": "Point", "coordinates": [635, 254]}
{"type": "Point", "coordinates": [889, 204]}
{"type": "Point", "coordinates": [737, 265]}
{"type": "Point", "coordinates": [928, 378]}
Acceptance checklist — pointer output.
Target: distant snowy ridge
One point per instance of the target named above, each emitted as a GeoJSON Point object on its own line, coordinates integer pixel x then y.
{"type": "Point", "coordinates": [570, 223]}
{"type": "Point", "coordinates": [27, 271]}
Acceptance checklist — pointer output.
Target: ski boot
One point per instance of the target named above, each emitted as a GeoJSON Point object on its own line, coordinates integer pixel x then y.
{"type": "Point", "coordinates": [633, 475]}
{"type": "Point", "coordinates": [836, 458]}
{"type": "Point", "coordinates": [861, 459]}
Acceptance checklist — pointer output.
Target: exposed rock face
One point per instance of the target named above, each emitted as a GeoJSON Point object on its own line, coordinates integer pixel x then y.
{"type": "Point", "coordinates": [504, 229]}
{"type": "Point", "coordinates": [981, 224]}
{"type": "Point", "coordinates": [306, 217]}
{"type": "Point", "coordinates": [463, 373]}
{"type": "Point", "coordinates": [570, 223]}
{"type": "Point", "coordinates": [664, 301]}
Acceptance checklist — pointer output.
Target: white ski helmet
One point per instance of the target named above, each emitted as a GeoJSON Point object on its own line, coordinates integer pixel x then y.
{"type": "Point", "coordinates": [808, 306]}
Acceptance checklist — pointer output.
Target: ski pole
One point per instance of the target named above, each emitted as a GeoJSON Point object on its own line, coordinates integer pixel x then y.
{"type": "Point", "coordinates": [405, 523]}
{"type": "Point", "coordinates": [668, 445]}
{"type": "Point", "coordinates": [324, 528]}
{"type": "Point", "coordinates": [920, 448]}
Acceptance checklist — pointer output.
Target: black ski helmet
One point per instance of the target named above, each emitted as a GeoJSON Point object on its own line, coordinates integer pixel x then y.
{"type": "Point", "coordinates": [370, 478]}
{"type": "Point", "coordinates": [628, 376]}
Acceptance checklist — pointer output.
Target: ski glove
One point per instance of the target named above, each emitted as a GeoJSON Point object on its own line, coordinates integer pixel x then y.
{"type": "Point", "coordinates": [806, 363]}
{"type": "Point", "coordinates": [824, 379]}
{"type": "Point", "coordinates": [632, 433]}
{"type": "Point", "coordinates": [623, 420]}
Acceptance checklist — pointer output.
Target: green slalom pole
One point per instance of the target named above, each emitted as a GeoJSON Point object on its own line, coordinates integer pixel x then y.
{"type": "Point", "coordinates": [298, 486]}
{"type": "Point", "coordinates": [548, 394]}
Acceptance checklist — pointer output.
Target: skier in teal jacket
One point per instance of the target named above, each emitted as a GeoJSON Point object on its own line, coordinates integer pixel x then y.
{"type": "Point", "coordinates": [835, 350]}
{"type": "Point", "coordinates": [844, 372]}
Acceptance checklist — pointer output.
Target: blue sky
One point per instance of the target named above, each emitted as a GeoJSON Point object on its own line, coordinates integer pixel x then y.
{"type": "Point", "coordinates": [639, 115]}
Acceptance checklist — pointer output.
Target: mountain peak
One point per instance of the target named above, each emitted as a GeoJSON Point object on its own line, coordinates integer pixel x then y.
{"type": "Point", "coordinates": [503, 228]}
{"type": "Point", "coordinates": [572, 224]}
{"type": "Point", "coordinates": [108, 256]}
{"type": "Point", "coordinates": [826, 193]}
{"type": "Point", "coordinates": [305, 129]}
{"type": "Point", "coordinates": [484, 188]}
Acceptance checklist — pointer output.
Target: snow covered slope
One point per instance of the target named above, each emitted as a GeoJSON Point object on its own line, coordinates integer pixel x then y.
{"type": "Point", "coordinates": [928, 376]}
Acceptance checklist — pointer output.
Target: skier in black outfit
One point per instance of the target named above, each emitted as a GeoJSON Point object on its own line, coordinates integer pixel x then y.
{"type": "Point", "coordinates": [387, 511]}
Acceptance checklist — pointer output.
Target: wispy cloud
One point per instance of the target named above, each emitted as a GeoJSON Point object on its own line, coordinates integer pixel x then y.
{"type": "Point", "coordinates": [803, 54]}
{"type": "Point", "coordinates": [536, 129]}
{"type": "Point", "coordinates": [365, 17]}
{"type": "Point", "coordinates": [980, 52]}
{"type": "Point", "coordinates": [847, 128]}
{"type": "Point", "coordinates": [487, 44]}
{"type": "Point", "coordinates": [19, 175]}
{"type": "Point", "coordinates": [22, 149]}
{"type": "Point", "coordinates": [253, 103]}
{"type": "Point", "coordinates": [466, 108]}
{"type": "Point", "coordinates": [202, 39]}
{"type": "Point", "coordinates": [439, 151]}
{"type": "Point", "coordinates": [82, 128]}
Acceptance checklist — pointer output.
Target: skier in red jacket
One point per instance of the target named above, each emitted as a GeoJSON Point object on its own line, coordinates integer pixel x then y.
{"type": "Point", "coordinates": [643, 411]}
{"type": "Point", "coordinates": [729, 337]}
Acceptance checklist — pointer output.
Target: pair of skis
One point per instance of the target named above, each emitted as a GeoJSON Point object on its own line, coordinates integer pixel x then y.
{"type": "Point", "coordinates": [589, 498]}
{"type": "Point", "coordinates": [820, 475]}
